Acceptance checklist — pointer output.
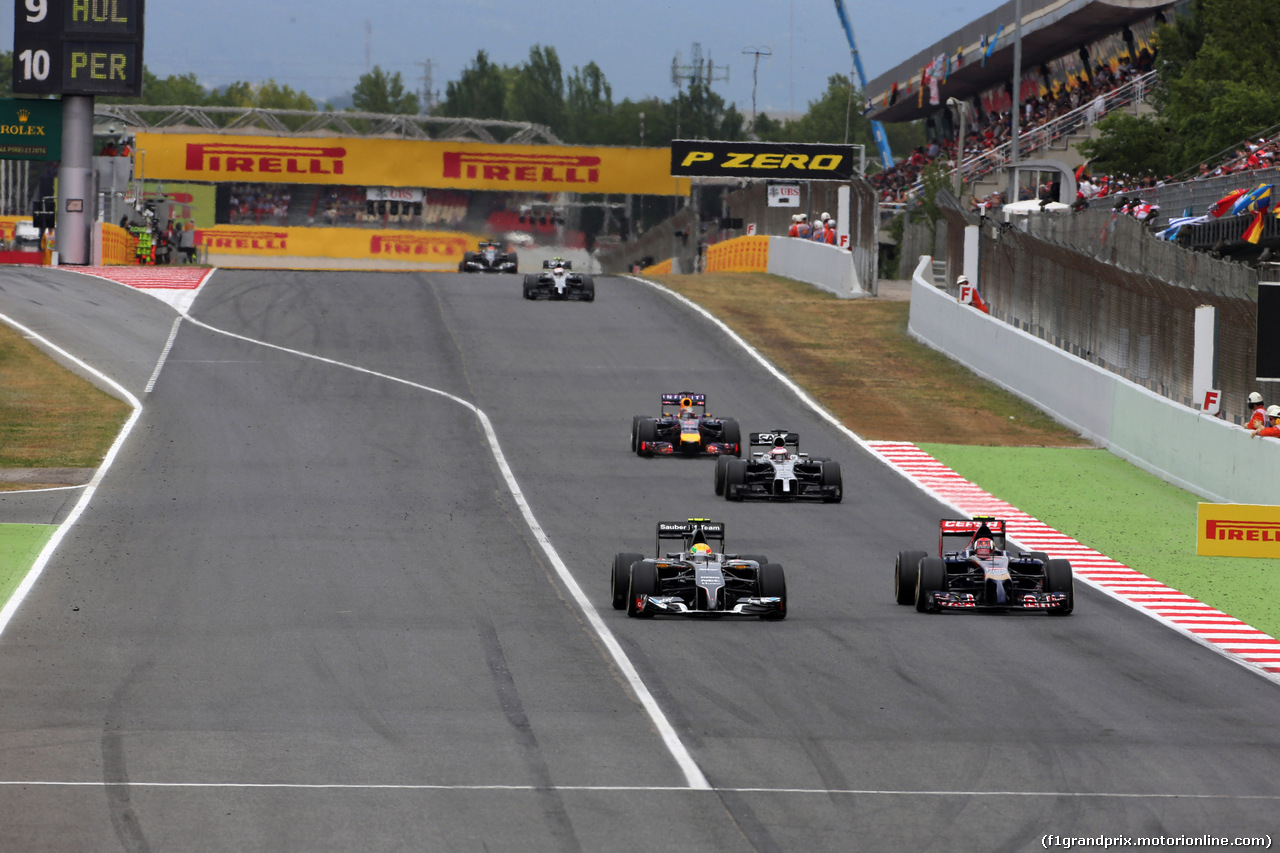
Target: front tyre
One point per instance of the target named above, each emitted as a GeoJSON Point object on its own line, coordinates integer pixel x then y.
{"type": "Point", "coordinates": [722, 465]}
{"type": "Point", "coordinates": [1058, 577]}
{"type": "Point", "coordinates": [644, 582]}
{"type": "Point", "coordinates": [735, 478]}
{"type": "Point", "coordinates": [646, 435]}
{"type": "Point", "coordinates": [832, 479]}
{"type": "Point", "coordinates": [588, 289]}
{"type": "Point", "coordinates": [931, 577]}
{"type": "Point", "coordinates": [620, 578]}
{"type": "Point", "coordinates": [772, 583]}
{"type": "Point", "coordinates": [905, 569]}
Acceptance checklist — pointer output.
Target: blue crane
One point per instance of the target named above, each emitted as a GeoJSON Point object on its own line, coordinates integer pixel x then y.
{"type": "Point", "coordinates": [877, 129]}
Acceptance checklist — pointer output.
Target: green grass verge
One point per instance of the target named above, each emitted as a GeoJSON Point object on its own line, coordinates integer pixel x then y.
{"type": "Point", "coordinates": [20, 544]}
{"type": "Point", "coordinates": [1131, 516]}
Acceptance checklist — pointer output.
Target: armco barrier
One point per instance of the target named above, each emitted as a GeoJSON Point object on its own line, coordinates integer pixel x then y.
{"type": "Point", "coordinates": [1205, 455]}
{"type": "Point", "coordinates": [741, 254]}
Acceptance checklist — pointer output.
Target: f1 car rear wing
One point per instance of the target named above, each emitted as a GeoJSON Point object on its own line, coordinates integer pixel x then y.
{"type": "Point", "coordinates": [551, 264]}
{"type": "Point", "coordinates": [683, 400]}
{"type": "Point", "coordinates": [772, 439]}
{"type": "Point", "coordinates": [969, 529]}
{"type": "Point", "coordinates": [691, 531]}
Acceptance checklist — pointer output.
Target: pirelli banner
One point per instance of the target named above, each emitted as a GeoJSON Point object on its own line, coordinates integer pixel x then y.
{"type": "Point", "coordinates": [441, 250]}
{"type": "Point", "coordinates": [778, 160]}
{"type": "Point", "coordinates": [216, 158]}
{"type": "Point", "coordinates": [1238, 530]}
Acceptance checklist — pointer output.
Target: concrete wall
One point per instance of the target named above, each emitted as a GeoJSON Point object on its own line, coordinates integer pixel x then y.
{"type": "Point", "coordinates": [1202, 454]}
{"type": "Point", "coordinates": [815, 263]}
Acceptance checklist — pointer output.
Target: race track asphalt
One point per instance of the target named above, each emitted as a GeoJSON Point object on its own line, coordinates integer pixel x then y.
{"type": "Point", "coordinates": [303, 611]}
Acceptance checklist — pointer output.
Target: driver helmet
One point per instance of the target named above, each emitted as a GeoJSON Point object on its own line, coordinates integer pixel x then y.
{"type": "Point", "coordinates": [779, 453]}
{"type": "Point", "coordinates": [687, 413]}
{"type": "Point", "coordinates": [700, 549]}
{"type": "Point", "coordinates": [1255, 399]}
{"type": "Point", "coordinates": [983, 548]}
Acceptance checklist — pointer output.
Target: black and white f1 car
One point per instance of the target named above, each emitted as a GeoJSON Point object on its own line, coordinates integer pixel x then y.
{"type": "Point", "coordinates": [699, 579]}
{"type": "Point", "coordinates": [780, 473]}
{"type": "Point", "coordinates": [557, 280]}
{"type": "Point", "coordinates": [684, 427]}
{"type": "Point", "coordinates": [982, 575]}
{"type": "Point", "coordinates": [490, 258]}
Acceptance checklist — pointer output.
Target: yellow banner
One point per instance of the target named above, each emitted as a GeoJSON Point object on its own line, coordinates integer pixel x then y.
{"type": "Point", "coordinates": [407, 163]}
{"type": "Point", "coordinates": [1238, 530]}
{"type": "Point", "coordinates": [442, 249]}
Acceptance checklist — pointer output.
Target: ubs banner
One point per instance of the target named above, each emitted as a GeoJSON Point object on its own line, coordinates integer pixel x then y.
{"type": "Point", "coordinates": [408, 163]}
{"type": "Point", "coordinates": [1238, 530]}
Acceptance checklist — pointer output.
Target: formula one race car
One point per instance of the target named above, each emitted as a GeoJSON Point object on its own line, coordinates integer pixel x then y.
{"type": "Point", "coordinates": [699, 579]}
{"type": "Point", "coordinates": [557, 280]}
{"type": "Point", "coordinates": [490, 258]}
{"type": "Point", "coordinates": [982, 575]}
{"type": "Point", "coordinates": [781, 473]}
{"type": "Point", "coordinates": [684, 427]}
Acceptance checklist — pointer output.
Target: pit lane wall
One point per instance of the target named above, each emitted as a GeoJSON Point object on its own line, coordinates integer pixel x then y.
{"type": "Point", "coordinates": [819, 264]}
{"type": "Point", "coordinates": [1202, 454]}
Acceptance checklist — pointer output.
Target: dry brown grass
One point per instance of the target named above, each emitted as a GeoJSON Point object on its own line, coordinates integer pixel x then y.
{"type": "Point", "coordinates": [856, 358]}
{"type": "Point", "coordinates": [49, 416]}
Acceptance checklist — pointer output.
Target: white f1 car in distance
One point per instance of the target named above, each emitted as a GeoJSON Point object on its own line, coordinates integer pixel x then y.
{"type": "Point", "coordinates": [557, 280]}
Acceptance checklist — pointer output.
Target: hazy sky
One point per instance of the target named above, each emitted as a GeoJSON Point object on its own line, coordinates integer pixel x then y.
{"type": "Point", "coordinates": [323, 46]}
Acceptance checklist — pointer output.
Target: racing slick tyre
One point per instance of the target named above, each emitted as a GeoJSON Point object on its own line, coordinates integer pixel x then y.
{"type": "Point", "coordinates": [735, 476]}
{"type": "Point", "coordinates": [831, 477]}
{"type": "Point", "coordinates": [620, 577]}
{"type": "Point", "coordinates": [733, 435]}
{"type": "Point", "coordinates": [931, 577]}
{"type": "Point", "coordinates": [772, 583]}
{"type": "Point", "coordinates": [635, 430]}
{"type": "Point", "coordinates": [530, 286]}
{"type": "Point", "coordinates": [722, 465]}
{"type": "Point", "coordinates": [1058, 578]}
{"type": "Point", "coordinates": [515, 263]}
{"type": "Point", "coordinates": [588, 289]}
{"type": "Point", "coordinates": [905, 569]}
{"type": "Point", "coordinates": [646, 434]}
{"type": "Point", "coordinates": [644, 581]}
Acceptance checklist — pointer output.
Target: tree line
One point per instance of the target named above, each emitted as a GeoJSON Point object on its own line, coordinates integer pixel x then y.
{"type": "Point", "coordinates": [577, 105]}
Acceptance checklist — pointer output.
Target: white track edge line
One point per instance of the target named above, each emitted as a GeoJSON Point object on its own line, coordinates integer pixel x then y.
{"type": "Point", "coordinates": [659, 789]}
{"type": "Point", "coordinates": [164, 355]}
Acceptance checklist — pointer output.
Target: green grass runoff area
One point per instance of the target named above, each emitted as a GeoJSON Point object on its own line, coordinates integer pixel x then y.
{"type": "Point", "coordinates": [1131, 516]}
{"type": "Point", "coordinates": [20, 545]}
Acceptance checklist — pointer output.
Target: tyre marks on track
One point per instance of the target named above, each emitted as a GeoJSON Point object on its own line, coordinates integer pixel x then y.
{"type": "Point", "coordinates": [1199, 621]}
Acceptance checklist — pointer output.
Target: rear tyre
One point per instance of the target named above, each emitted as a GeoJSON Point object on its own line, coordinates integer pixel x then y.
{"type": "Point", "coordinates": [931, 577]}
{"type": "Point", "coordinates": [722, 464]}
{"type": "Point", "coordinates": [515, 262]}
{"type": "Point", "coordinates": [831, 477]}
{"type": "Point", "coordinates": [644, 581]}
{"type": "Point", "coordinates": [530, 286]}
{"type": "Point", "coordinates": [588, 289]}
{"type": "Point", "coordinates": [733, 435]}
{"type": "Point", "coordinates": [1058, 577]}
{"type": "Point", "coordinates": [735, 476]}
{"type": "Point", "coordinates": [620, 578]}
{"type": "Point", "coordinates": [905, 569]}
{"type": "Point", "coordinates": [772, 583]}
{"type": "Point", "coordinates": [646, 435]}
